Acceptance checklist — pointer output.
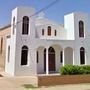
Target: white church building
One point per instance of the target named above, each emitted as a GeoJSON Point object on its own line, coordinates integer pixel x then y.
{"type": "Point", "coordinates": [38, 45]}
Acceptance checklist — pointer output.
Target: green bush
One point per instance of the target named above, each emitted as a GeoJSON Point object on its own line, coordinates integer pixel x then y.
{"type": "Point", "coordinates": [74, 70]}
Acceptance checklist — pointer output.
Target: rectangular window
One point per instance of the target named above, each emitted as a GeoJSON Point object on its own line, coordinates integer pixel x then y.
{"type": "Point", "coordinates": [55, 33]}
{"type": "Point", "coordinates": [1, 44]}
{"type": "Point", "coordinates": [49, 30]}
{"type": "Point", "coordinates": [42, 31]}
{"type": "Point", "coordinates": [8, 54]}
{"type": "Point", "coordinates": [61, 57]}
{"type": "Point", "coordinates": [37, 56]}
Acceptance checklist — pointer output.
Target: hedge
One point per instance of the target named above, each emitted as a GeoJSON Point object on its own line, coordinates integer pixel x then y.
{"type": "Point", "coordinates": [74, 70]}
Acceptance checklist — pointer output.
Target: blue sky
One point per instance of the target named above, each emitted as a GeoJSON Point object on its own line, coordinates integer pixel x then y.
{"type": "Point", "coordinates": [56, 12]}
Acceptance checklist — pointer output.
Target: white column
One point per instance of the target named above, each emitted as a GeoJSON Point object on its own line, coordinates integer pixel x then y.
{"type": "Point", "coordinates": [34, 61]}
{"type": "Point", "coordinates": [73, 58]}
{"type": "Point", "coordinates": [47, 69]}
{"type": "Point", "coordinates": [63, 58]}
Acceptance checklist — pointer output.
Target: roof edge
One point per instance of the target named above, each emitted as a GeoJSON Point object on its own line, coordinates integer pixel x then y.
{"type": "Point", "coordinates": [6, 26]}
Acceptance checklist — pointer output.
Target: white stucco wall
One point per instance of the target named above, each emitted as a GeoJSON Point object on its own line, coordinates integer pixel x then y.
{"type": "Point", "coordinates": [67, 36]}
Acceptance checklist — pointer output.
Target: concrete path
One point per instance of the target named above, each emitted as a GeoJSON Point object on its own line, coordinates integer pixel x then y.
{"type": "Point", "coordinates": [16, 83]}
{"type": "Point", "coordinates": [8, 82]}
{"type": "Point", "coordinates": [67, 87]}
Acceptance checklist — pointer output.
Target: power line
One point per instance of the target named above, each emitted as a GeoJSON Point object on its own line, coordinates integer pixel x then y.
{"type": "Point", "coordinates": [41, 10]}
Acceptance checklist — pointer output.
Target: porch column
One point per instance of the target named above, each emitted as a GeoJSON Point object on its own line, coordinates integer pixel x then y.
{"type": "Point", "coordinates": [63, 58]}
{"type": "Point", "coordinates": [34, 61]}
{"type": "Point", "coordinates": [73, 58]}
{"type": "Point", "coordinates": [47, 69]}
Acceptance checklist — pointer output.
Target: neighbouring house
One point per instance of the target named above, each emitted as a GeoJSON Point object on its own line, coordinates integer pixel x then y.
{"type": "Point", "coordinates": [33, 44]}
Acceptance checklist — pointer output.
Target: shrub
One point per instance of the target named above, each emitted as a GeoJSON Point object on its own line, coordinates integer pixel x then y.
{"type": "Point", "coordinates": [74, 70]}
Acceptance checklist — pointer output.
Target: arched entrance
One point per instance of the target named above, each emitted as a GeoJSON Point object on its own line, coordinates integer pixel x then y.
{"type": "Point", "coordinates": [51, 59]}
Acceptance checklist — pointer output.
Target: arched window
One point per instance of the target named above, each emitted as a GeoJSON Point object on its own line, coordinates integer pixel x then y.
{"type": "Point", "coordinates": [82, 55]}
{"type": "Point", "coordinates": [55, 33]}
{"type": "Point", "coordinates": [49, 30]}
{"type": "Point", "coordinates": [8, 53]}
{"type": "Point", "coordinates": [24, 55]}
{"type": "Point", "coordinates": [81, 29]}
{"type": "Point", "coordinates": [25, 25]}
{"type": "Point", "coordinates": [42, 31]}
{"type": "Point", "coordinates": [13, 24]}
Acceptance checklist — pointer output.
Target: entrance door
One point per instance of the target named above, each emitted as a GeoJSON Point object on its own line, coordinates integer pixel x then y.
{"type": "Point", "coordinates": [51, 59]}
{"type": "Point", "coordinates": [51, 55]}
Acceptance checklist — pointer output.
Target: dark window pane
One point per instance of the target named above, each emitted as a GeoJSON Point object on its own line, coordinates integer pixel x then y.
{"type": "Point", "coordinates": [55, 33]}
{"type": "Point", "coordinates": [42, 31]}
{"type": "Point", "coordinates": [81, 29]}
{"type": "Point", "coordinates": [49, 30]}
{"type": "Point", "coordinates": [25, 25]}
{"type": "Point", "coordinates": [37, 57]}
{"type": "Point", "coordinates": [13, 24]}
{"type": "Point", "coordinates": [1, 44]}
{"type": "Point", "coordinates": [61, 57]}
{"type": "Point", "coordinates": [8, 53]}
{"type": "Point", "coordinates": [82, 55]}
{"type": "Point", "coordinates": [24, 55]}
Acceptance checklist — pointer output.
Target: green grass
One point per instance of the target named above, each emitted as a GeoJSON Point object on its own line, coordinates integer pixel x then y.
{"type": "Point", "coordinates": [29, 86]}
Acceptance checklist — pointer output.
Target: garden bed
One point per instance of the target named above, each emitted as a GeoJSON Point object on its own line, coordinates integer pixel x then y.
{"type": "Point", "coordinates": [63, 79]}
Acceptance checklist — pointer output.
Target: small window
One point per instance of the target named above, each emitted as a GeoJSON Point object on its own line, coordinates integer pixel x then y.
{"type": "Point", "coordinates": [55, 33]}
{"type": "Point", "coordinates": [49, 30]}
{"type": "Point", "coordinates": [24, 55]}
{"type": "Point", "coordinates": [81, 29]}
{"type": "Point", "coordinates": [13, 25]}
{"type": "Point", "coordinates": [82, 55]}
{"type": "Point", "coordinates": [8, 54]}
{"type": "Point", "coordinates": [37, 57]}
{"type": "Point", "coordinates": [42, 31]}
{"type": "Point", "coordinates": [25, 25]}
{"type": "Point", "coordinates": [61, 57]}
{"type": "Point", "coordinates": [1, 44]}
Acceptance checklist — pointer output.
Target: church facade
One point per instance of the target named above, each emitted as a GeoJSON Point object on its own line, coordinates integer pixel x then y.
{"type": "Point", "coordinates": [37, 45]}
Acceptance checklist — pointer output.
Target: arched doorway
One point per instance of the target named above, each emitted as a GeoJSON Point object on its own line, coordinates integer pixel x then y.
{"type": "Point", "coordinates": [51, 59]}
{"type": "Point", "coordinates": [51, 55]}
